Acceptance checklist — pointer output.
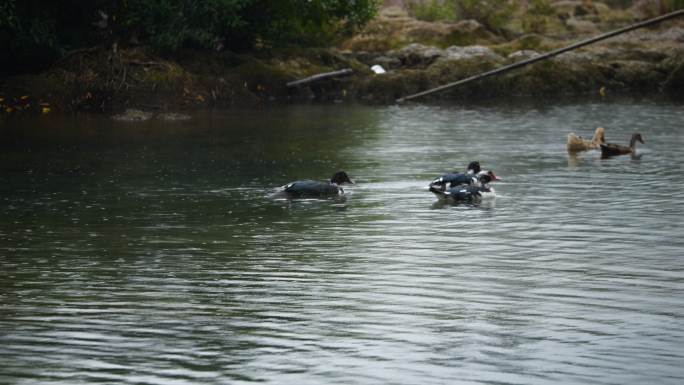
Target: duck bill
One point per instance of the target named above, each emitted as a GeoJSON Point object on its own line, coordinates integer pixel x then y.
{"type": "Point", "coordinates": [494, 177]}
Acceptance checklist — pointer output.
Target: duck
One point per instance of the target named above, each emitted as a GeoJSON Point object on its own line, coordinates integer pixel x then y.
{"type": "Point", "coordinates": [577, 143]}
{"type": "Point", "coordinates": [458, 178]}
{"type": "Point", "coordinates": [610, 149]}
{"type": "Point", "coordinates": [467, 193]}
{"type": "Point", "coordinates": [315, 189]}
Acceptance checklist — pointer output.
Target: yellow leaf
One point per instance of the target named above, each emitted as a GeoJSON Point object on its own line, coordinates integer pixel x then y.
{"type": "Point", "coordinates": [9, 110]}
{"type": "Point", "coordinates": [2, 100]}
{"type": "Point", "coordinates": [24, 97]}
{"type": "Point", "coordinates": [602, 91]}
{"type": "Point", "coordinates": [45, 110]}
{"type": "Point", "coordinates": [200, 98]}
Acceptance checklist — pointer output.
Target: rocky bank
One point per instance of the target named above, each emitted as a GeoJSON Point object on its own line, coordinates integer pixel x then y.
{"type": "Point", "coordinates": [416, 56]}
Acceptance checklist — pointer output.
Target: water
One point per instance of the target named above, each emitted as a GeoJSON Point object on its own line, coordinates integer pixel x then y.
{"type": "Point", "coordinates": [151, 254]}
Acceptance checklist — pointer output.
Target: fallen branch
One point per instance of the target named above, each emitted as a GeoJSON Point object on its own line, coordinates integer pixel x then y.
{"type": "Point", "coordinates": [318, 77]}
{"type": "Point", "coordinates": [80, 50]}
{"type": "Point", "coordinates": [145, 63]}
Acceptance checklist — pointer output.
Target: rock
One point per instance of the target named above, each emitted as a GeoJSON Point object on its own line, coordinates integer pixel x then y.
{"type": "Point", "coordinates": [579, 8]}
{"type": "Point", "coordinates": [173, 117]}
{"type": "Point", "coordinates": [636, 75]}
{"type": "Point", "coordinates": [531, 41]}
{"type": "Point", "coordinates": [378, 70]}
{"type": "Point", "coordinates": [133, 115]}
{"type": "Point", "coordinates": [387, 62]}
{"type": "Point", "coordinates": [522, 55]}
{"type": "Point", "coordinates": [583, 27]}
{"type": "Point", "coordinates": [472, 52]}
{"type": "Point", "coordinates": [416, 55]}
{"type": "Point", "coordinates": [674, 84]}
{"type": "Point", "coordinates": [674, 35]}
{"type": "Point", "coordinates": [395, 11]}
{"type": "Point", "coordinates": [574, 58]}
{"type": "Point", "coordinates": [393, 85]}
{"type": "Point", "coordinates": [463, 62]}
{"type": "Point", "coordinates": [391, 32]}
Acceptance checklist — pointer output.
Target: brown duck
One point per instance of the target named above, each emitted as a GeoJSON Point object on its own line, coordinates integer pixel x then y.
{"type": "Point", "coordinates": [610, 149]}
{"type": "Point", "coordinates": [577, 143]}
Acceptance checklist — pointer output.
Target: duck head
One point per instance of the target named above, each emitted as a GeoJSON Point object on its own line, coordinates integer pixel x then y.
{"type": "Point", "coordinates": [485, 179]}
{"type": "Point", "coordinates": [340, 177]}
{"type": "Point", "coordinates": [487, 175]}
{"type": "Point", "coordinates": [474, 167]}
{"type": "Point", "coordinates": [636, 136]}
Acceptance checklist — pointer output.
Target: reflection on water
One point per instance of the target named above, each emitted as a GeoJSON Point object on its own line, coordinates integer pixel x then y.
{"type": "Point", "coordinates": [152, 253]}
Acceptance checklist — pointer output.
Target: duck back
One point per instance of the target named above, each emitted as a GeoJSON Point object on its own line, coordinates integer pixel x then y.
{"type": "Point", "coordinates": [311, 188]}
{"type": "Point", "coordinates": [461, 193]}
{"type": "Point", "coordinates": [454, 179]}
{"type": "Point", "coordinates": [610, 149]}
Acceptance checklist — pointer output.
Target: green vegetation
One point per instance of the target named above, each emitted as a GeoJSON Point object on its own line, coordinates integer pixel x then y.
{"type": "Point", "coordinates": [493, 14]}
{"type": "Point", "coordinates": [36, 32]}
{"type": "Point", "coordinates": [433, 10]}
{"type": "Point", "coordinates": [536, 16]}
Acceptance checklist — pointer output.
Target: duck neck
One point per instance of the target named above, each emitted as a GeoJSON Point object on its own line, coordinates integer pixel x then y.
{"type": "Point", "coordinates": [632, 142]}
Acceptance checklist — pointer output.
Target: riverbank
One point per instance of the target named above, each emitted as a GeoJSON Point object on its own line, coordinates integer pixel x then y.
{"type": "Point", "coordinates": [416, 56]}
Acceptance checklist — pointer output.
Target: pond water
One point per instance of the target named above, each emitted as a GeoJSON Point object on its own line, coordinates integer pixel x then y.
{"type": "Point", "coordinates": [151, 253]}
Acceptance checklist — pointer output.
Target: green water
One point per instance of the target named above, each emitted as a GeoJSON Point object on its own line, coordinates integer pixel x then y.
{"type": "Point", "coordinates": [151, 253]}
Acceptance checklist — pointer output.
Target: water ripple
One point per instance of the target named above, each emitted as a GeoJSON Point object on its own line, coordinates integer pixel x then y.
{"type": "Point", "coordinates": [169, 263]}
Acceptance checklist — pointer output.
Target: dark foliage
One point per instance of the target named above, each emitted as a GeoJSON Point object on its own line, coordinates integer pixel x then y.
{"type": "Point", "coordinates": [36, 32]}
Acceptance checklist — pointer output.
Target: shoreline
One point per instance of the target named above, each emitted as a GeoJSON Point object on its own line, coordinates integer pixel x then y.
{"type": "Point", "coordinates": [645, 63]}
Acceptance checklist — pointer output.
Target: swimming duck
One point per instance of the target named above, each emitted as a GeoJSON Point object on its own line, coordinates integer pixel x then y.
{"type": "Point", "coordinates": [577, 143]}
{"type": "Point", "coordinates": [610, 149]}
{"type": "Point", "coordinates": [466, 192]}
{"type": "Point", "coordinates": [458, 178]}
{"type": "Point", "coordinates": [316, 189]}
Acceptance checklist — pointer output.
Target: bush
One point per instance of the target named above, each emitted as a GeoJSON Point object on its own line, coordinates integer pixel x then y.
{"type": "Point", "coordinates": [34, 32]}
{"type": "Point", "coordinates": [432, 10]}
{"type": "Point", "coordinates": [493, 14]}
{"type": "Point", "coordinates": [535, 19]}
{"type": "Point", "coordinates": [45, 29]}
{"type": "Point", "coordinates": [169, 25]}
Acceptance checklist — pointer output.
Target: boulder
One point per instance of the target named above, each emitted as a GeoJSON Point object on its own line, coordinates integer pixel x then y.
{"type": "Point", "coordinates": [521, 55]}
{"type": "Point", "coordinates": [674, 84]}
{"type": "Point", "coordinates": [173, 117]}
{"type": "Point", "coordinates": [416, 55]}
{"type": "Point", "coordinates": [472, 52]}
{"type": "Point", "coordinates": [133, 115]}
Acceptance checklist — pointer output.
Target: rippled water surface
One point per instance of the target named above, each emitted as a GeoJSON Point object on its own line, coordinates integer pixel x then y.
{"type": "Point", "coordinates": [152, 254]}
